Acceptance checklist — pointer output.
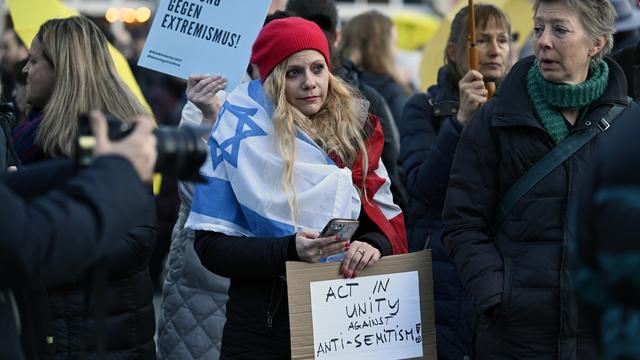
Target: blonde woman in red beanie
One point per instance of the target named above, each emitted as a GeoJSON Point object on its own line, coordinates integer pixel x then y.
{"type": "Point", "coordinates": [289, 152]}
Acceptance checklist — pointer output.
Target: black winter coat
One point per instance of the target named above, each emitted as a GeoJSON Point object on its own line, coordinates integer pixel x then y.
{"type": "Point", "coordinates": [119, 285]}
{"type": "Point", "coordinates": [39, 206]}
{"type": "Point", "coordinates": [525, 267]}
{"type": "Point", "coordinates": [122, 288]}
{"type": "Point", "coordinates": [430, 134]}
{"type": "Point", "coordinates": [257, 324]}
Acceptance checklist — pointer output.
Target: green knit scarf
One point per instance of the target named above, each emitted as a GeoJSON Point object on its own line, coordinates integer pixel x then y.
{"type": "Point", "coordinates": [548, 97]}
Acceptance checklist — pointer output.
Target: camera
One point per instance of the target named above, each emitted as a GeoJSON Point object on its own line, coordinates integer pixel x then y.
{"type": "Point", "coordinates": [181, 150]}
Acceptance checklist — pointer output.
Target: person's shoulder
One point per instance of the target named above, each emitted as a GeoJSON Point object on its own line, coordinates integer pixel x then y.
{"type": "Point", "coordinates": [369, 92]}
{"type": "Point", "coordinates": [623, 133]}
{"type": "Point", "coordinates": [630, 54]}
{"type": "Point", "coordinates": [629, 116]}
{"type": "Point", "coordinates": [421, 100]}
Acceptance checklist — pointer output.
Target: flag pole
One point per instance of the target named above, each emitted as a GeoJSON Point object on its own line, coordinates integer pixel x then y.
{"type": "Point", "coordinates": [473, 52]}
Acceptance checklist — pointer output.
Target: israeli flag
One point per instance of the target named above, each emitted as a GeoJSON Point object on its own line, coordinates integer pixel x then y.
{"type": "Point", "coordinates": [244, 196]}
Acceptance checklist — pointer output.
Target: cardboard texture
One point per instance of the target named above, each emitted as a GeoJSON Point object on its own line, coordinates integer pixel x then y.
{"type": "Point", "coordinates": [300, 275]}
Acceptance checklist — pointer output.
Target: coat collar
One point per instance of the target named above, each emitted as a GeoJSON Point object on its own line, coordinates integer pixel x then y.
{"type": "Point", "coordinates": [514, 108]}
{"type": "Point", "coordinates": [446, 89]}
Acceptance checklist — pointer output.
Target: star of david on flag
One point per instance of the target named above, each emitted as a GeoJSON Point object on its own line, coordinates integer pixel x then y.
{"type": "Point", "coordinates": [229, 149]}
{"type": "Point", "coordinates": [250, 200]}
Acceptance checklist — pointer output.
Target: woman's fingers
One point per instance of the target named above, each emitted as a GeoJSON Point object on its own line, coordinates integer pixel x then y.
{"type": "Point", "coordinates": [335, 247]}
{"type": "Point", "coordinates": [351, 262]}
{"type": "Point", "coordinates": [359, 256]}
{"type": "Point", "coordinates": [202, 86]}
{"type": "Point", "coordinates": [211, 88]}
{"type": "Point", "coordinates": [194, 80]}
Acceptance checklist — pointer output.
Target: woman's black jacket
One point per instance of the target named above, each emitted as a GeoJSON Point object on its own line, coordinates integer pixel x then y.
{"type": "Point", "coordinates": [40, 205]}
{"type": "Point", "coordinates": [120, 287]}
{"type": "Point", "coordinates": [524, 269]}
{"type": "Point", "coordinates": [430, 134]}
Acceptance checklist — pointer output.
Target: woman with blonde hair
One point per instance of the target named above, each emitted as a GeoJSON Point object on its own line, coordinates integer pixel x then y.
{"type": "Point", "coordinates": [368, 40]}
{"type": "Point", "coordinates": [69, 72]}
{"type": "Point", "coordinates": [289, 153]}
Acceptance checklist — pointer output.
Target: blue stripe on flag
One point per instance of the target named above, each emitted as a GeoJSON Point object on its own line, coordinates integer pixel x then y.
{"type": "Point", "coordinates": [216, 199]}
{"type": "Point", "coordinates": [263, 227]}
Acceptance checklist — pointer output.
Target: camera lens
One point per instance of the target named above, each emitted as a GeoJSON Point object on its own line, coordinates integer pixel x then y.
{"type": "Point", "coordinates": [181, 152]}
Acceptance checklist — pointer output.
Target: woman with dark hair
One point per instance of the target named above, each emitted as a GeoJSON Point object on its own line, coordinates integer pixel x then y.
{"type": "Point", "coordinates": [518, 166]}
{"type": "Point", "coordinates": [430, 128]}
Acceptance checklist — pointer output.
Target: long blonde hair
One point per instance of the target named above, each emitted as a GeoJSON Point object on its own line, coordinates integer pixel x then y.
{"type": "Point", "coordinates": [85, 79]}
{"type": "Point", "coordinates": [338, 127]}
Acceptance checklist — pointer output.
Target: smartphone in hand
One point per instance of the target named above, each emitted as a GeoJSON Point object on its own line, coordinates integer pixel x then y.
{"type": "Point", "coordinates": [344, 229]}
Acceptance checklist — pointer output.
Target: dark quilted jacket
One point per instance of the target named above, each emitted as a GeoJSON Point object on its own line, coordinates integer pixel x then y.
{"type": "Point", "coordinates": [430, 134]}
{"type": "Point", "coordinates": [525, 267]}
{"type": "Point", "coordinates": [127, 297]}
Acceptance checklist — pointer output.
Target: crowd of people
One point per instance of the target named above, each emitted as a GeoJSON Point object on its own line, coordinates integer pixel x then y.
{"type": "Point", "coordinates": [527, 198]}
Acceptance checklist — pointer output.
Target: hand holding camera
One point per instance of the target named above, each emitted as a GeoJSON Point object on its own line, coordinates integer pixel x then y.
{"type": "Point", "coordinates": [178, 151]}
{"type": "Point", "coordinates": [139, 147]}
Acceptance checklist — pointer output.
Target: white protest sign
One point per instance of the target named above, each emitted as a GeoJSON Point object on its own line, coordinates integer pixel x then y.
{"type": "Point", "coordinates": [204, 37]}
{"type": "Point", "coordinates": [371, 317]}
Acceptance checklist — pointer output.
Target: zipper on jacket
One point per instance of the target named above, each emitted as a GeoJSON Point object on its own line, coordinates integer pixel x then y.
{"type": "Point", "coordinates": [271, 314]}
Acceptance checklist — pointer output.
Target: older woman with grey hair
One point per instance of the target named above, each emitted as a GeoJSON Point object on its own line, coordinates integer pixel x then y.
{"type": "Point", "coordinates": [510, 243]}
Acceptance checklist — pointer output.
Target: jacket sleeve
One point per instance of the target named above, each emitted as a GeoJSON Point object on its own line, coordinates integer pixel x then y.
{"type": "Point", "coordinates": [426, 152]}
{"type": "Point", "coordinates": [64, 231]}
{"type": "Point", "coordinates": [36, 180]}
{"type": "Point", "coordinates": [469, 209]}
{"type": "Point", "coordinates": [241, 257]}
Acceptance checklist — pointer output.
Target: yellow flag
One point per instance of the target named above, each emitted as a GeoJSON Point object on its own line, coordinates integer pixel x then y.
{"type": "Point", "coordinates": [520, 13]}
{"type": "Point", "coordinates": [414, 29]}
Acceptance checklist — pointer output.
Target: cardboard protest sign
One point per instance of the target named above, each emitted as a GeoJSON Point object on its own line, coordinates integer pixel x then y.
{"type": "Point", "coordinates": [384, 313]}
{"type": "Point", "coordinates": [204, 37]}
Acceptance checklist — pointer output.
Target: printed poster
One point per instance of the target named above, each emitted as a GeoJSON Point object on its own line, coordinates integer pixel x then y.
{"type": "Point", "coordinates": [204, 37]}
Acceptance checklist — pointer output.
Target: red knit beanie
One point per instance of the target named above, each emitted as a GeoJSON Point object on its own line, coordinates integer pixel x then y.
{"type": "Point", "coordinates": [282, 38]}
